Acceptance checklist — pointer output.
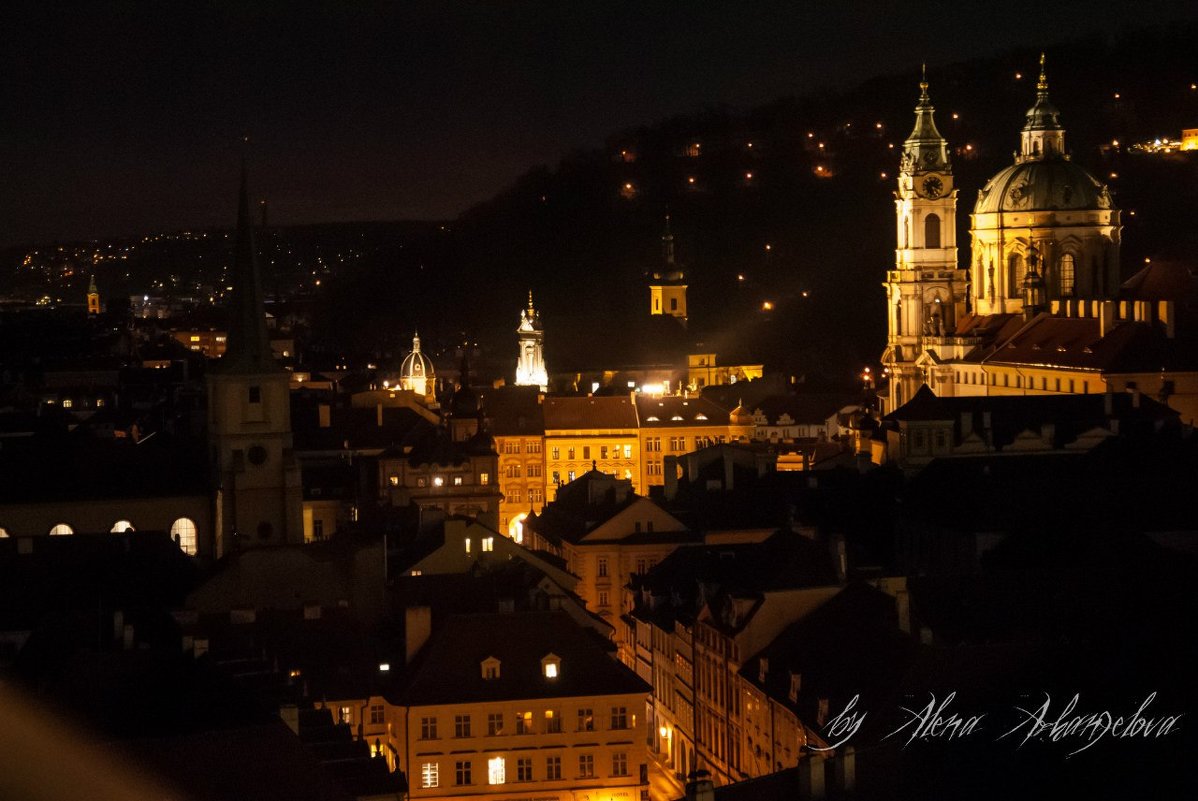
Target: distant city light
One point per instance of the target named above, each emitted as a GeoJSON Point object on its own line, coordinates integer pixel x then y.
{"type": "Point", "coordinates": [384, 667]}
{"type": "Point", "coordinates": [1019, 76]}
{"type": "Point", "coordinates": [956, 116]}
{"type": "Point", "coordinates": [883, 175]}
{"type": "Point", "coordinates": [767, 306]}
{"type": "Point", "coordinates": [768, 246]}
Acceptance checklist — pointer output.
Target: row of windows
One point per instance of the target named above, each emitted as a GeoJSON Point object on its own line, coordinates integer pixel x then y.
{"type": "Point", "coordinates": [572, 474]}
{"type": "Point", "coordinates": [183, 532]}
{"type": "Point", "coordinates": [439, 481]}
{"type": "Point", "coordinates": [601, 451]}
{"type": "Point", "coordinates": [511, 448]}
{"type": "Point", "coordinates": [497, 773]}
{"type": "Point", "coordinates": [523, 723]}
{"type": "Point", "coordinates": [970, 378]}
{"type": "Point", "coordinates": [515, 470]}
{"type": "Point", "coordinates": [535, 495]}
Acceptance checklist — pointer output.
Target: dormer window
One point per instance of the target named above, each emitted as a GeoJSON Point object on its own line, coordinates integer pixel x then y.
{"type": "Point", "coordinates": [551, 666]}
{"type": "Point", "coordinates": [700, 416]}
{"type": "Point", "coordinates": [490, 668]}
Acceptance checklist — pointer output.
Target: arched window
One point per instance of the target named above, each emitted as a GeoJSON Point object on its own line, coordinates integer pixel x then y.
{"type": "Point", "coordinates": [1068, 275]}
{"type": "Point", "coordinates": [183, 532]}
{"type": "Point", "coordinates": [931, 231]}
{"type": "Point", "coordinates": [61, 530]}
{"type": "Point", "coordinates": [121, 526]}
{"type": "Point", "coordinates": [1014, 275]}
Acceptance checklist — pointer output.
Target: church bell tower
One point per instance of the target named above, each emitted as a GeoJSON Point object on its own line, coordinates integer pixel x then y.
{"type": "Point", "coordinates": [925, 291]}
{"type": "Point", "coordinates": [258, 498]}
{"type": "Point", "coordinates": [530, 364]}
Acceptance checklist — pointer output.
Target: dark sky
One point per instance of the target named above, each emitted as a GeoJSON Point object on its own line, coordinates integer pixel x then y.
{"type": "Point", "coordinates": [122, 117]}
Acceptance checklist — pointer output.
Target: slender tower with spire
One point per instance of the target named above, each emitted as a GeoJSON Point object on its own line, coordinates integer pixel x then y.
{"type": "Point", "coordinates": [530, 362]}
{"type": "Point", "coordinates": [258, 490]}
{"type": "Point", "coordinates": [667, 285]}
{"type": "Point", "coordinates": [93, 297]}
{"type": "Point", "coordinates": [926, 292]}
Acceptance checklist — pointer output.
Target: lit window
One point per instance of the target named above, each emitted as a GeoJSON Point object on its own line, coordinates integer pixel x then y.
{"type": "Point", "coordinates": [430, 775]}
{"type": "Point", "coordinates": [3, 533]}
{"type": "Point", "coordinates": [393, 480]}
{"type": "Point", "coordinates": [183, 532]}
{"type": "Point", "coordinates": [121, 526]}
{"type": "Point", "coordinates": [484, 479]}
{"type": "Point", "coordinates": [467, 545]}
{"type": "Point", "coordinates": [496, 769]}
{"type": "Point", "coordinates": [551, 666]}
{"type": "Point", "coordinates": [67, 403]}
{"type": "Point", "coordinates": [345, 715]}
{"type": "Point", "coordinates": [195, 339]}
{"type": "Point", "coordinates": [457, 481]}
{"type": "Point", "coordinates": [627, 451]}
{"type": "Point", "coordinates": [438, 481]}
{"type": "Point", "coordinates": [553, 722]}
{"type": "Point", "coordinates": [488, 543]}
{"type": "Point", "coordinates": [61, 529]}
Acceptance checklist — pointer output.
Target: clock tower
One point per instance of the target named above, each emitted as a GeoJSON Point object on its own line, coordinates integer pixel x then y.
{"type": "Point", "coordinates": [259, 498]}
{"type": "Point", "coordinates": [925, 291]}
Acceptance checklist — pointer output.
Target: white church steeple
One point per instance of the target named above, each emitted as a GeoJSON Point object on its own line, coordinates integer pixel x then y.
{"type": "Point", "coordinates": [530, 364]}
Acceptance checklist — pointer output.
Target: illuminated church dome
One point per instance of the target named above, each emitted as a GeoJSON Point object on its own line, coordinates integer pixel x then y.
{"type": "Point", "coordinates": [416, 372]}
{"type": "Point", "coordinates": [1046, 215]}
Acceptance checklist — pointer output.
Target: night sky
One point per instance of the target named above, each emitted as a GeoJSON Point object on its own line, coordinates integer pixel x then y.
{"type": "Point", "coordinates": [118, 118]}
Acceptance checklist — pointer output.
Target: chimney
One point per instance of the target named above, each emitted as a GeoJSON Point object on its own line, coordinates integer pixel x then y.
{"type": "Point", "coordinates": [811, 778]}
{"type": "Point", "coordinates": [670, 469]}
{"type": "Point", "coordinates": [699, 786]}
{"type": "Point", "coordinates": [127, 636]}
{"type": "Point", "coordinates": [418, 623]}
{"type": "Point", "coordinates": [728, 469]}
{"type": "Point", "coordinates": [379, 414]}
{"type": "Point", "coordinates": [325, 414]}
{"type": "Point", "coordinates": [1135, 398]}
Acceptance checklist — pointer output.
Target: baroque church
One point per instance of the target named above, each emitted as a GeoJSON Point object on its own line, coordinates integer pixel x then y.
{"type": "Point", "coordinates": [1040, 307]}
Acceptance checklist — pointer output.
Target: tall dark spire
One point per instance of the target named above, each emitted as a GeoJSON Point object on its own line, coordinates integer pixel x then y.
{"type": "Point", "coordinates": [667, 243]}
{"type": "Point", "coordinates": [248, 349]}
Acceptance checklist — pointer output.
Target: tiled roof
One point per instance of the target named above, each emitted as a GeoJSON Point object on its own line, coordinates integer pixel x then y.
{"type": "Point", "coordinates": [676, 411]}
{"type": "Point", "coordinates": [596, 412]}
{"type": "Point", "coordinates": [449, 670]}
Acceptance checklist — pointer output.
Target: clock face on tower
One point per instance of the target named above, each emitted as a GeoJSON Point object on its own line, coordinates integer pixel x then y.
{"type": "Point", "coordinates": [932, 186]}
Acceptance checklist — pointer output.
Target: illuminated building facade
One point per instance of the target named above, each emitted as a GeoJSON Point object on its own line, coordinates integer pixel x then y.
{"type": "Point", "coordinates": [598, 432]}
{"type": "Point", "coordinates": [530, 364]}
{"type": "Point", "coordinates": [675, 425]}
{"type": "Point", "coordinates": [515, 706]}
